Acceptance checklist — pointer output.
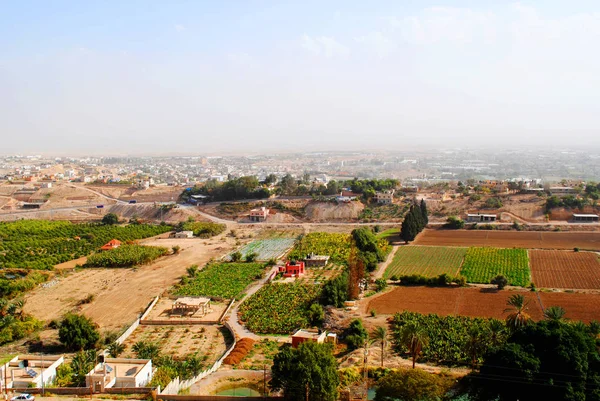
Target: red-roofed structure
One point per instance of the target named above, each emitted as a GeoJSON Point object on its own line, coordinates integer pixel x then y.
{"type": "Point", "coordinates": [112, 244]}
{"type": "Point", "coordinates": [292, 269]}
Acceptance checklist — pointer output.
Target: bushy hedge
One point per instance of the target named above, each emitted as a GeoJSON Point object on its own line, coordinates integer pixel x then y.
{"type": "Point", "coordinates": [442, 280]}
{"type": "Point", "coordinates": [204, 230]}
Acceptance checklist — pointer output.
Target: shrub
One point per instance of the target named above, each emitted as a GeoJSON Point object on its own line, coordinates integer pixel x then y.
{"type": "Point", "coordinates": [500, 281]}
{"type": "Point", "coordinates": [380, 284]}
{"type": "Point", "coordinates": [236, 256]}
{"type": "Point", "coordinates": [251, 257]}
{"type": "Point", "coordinates": [575, 249]}
{"type": "Point", "coordinates": [78, 332]}
{"type": "Point", "coordinates": [454, 223]}
{"type": "Point", "coordinates": [355, 335]}
{"type": "Point", "coordinates": [442, 280]}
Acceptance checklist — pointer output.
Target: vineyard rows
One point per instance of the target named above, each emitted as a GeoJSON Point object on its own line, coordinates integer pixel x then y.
{"type": "Point", "coordinates": [126, 256]}
{"type": "Point", "coordinates": [483, 264]}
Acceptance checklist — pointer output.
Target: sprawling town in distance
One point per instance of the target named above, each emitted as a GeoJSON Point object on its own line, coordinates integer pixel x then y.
{"type": "Point", "coordinates": [265, 200]}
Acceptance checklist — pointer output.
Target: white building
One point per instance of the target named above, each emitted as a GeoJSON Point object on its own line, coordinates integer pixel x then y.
{"type": "Point", "coordinates": [26, 371]}
{"type": "Point", "coordinates": [481, 218]}
{"type": "Point", "coordinates": [120, 372]}
{"type": "Point", "coordinates": [385, 197]}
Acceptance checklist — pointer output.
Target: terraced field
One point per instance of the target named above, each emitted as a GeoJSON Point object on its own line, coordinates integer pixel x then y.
{"type": "Point", "coordinates": [427, 261]}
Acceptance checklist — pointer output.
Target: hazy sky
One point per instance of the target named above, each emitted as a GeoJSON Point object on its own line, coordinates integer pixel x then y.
{"type": "Point", "coordinates": [207, 76]}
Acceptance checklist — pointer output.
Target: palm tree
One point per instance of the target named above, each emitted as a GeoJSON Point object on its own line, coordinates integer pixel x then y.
{"type": "Point", "coordinates": [518, 316]}
{"type": "Point", "coordinates": [496, 329]}
{"type": "Point", "coordinates": [414, 338]}
{"type": "Point", "coordinates": [379, 334]}
{"type": "Point", "coordinates": [475, 345]}
{"type": "Point", "coordinates": [554, 313]}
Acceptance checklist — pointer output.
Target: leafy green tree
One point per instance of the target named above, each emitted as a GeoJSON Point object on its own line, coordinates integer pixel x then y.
{"type": "Point", "coordinates": [411, 384]}
{"type": "Point", "coordinates": [78, 332]}
{"type": "Point", "coordinates": [380, 284]}
{"type": "Point", "coordinates": [270, 179]}
{"type": "Point", "coordinates": [316, 315]}
{"type": "Point", "coordinates": [368, 250]}
{"type": "Point", "coordinates": [110, 219]}
{"type": "Point", "coordinates": [380, 335]}
{"type": "Point", "coordinates": [414, 339]}
{"type": "Point", "coordinates": [499, 281]}
{"type": "Point", "coordinates": [542, 361]}
{"type": "Point", "coordinates": [307, 372]}
{"type": "Point", "coordinates": [517, 311]}
{"type": "Point", "coordinates": [454, 223]}
{"type": "Point", "coordinates": [335, 291]}
{"type": "Point", "coordinates": [355, 335]}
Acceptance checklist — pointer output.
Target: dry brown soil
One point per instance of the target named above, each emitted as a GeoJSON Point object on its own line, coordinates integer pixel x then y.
{"type": "Point", "coordinates": [511, 239]}
{"type": "Point", "coordinates": [481, 302]}
{"type": "Point", "coordinates": [565, 269]}
{"type": "Point", "coordinates": [121, 294]}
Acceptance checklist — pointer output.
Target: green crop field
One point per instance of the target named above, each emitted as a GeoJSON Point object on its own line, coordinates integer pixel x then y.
{"type": "Point", "coordinates": [222, 280]}
{"type": "Point", "coordinates": [40, 244]}
{"type": "Point", "coordinates": [483, 264]}
{"type": "Point", "coordinates": [266, 249]}
{"type": "Point", "coordinates": [279, 308]}
{"type": "Point", "coordinates": [427, 261]}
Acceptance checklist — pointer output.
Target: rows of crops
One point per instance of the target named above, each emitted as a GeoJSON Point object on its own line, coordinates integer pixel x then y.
{"type": "Point", "coordinates": [427, 261]}
{"type": "Point", "coordinates": [337, 246]}
{"type": "Point", "coordinates": [222, 280]}
{"type": "Point", "coordinates": [483, 264]}
{"type": "Point", "coordinates": [266, 249]}
{"type": "Point", "coordinates": [279, 308]}
{"type": "Point", "coordinates": [126, 256]}
{"type": "Point", "coordinates": [39, 244]}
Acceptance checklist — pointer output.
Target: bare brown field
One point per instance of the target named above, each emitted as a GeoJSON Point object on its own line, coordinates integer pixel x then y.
{"type": "Point", "coordinates": [479, 302]}
{"type": "Point", "coordinates": [119, 295]}
{"type": "Point", "coordinates": [565, 269]}
{"type": "Point", "coordinates": [179, 341]}
{"type": "Point", "coordinates": [511, 239]}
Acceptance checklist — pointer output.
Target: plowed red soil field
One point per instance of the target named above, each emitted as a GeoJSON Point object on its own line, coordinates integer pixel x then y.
{"type": "Point", "coordinates": [565, 269]}
{"type": "Point", "coordinates": [481, 302]}
{"type": "Point", "coordinates": [511, 239]}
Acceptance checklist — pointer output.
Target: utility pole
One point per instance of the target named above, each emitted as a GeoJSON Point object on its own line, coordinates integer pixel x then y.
{"type": "Point", "coordinates": [42, 373]}
{"type": "Point", "coordinates": [366, 371]}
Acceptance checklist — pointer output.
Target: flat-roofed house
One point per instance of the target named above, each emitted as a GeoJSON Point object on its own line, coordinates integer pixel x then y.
{"type": "Point", "coordinates": [119, 373]}
{"type": "Point", "coordinates": [27, 371]}
{"type": "Point", "coordinates": [385, 197]}
{"type": "Point", "coordinates": [481, 218]}
{"type": "Point", "coordinates": [292, 268]}
{"type": "Point", "coordinates": [259, 214]}
{"type": "Point", "coordinates": [317, 336]}
{"type": "Point", "coordinates": [313, 260]}
{"type": "Point", "coordinates": [585, 218]}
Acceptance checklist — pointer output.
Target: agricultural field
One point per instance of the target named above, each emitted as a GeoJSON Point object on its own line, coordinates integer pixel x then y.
{"type": "Point", "coordinates": [336, 245]}
{"type": "Point", "coordinates": [483, 264]}
{"type": "Point", "coordinates": [427, 261]}
{"type": "Point", "coordinates": [203, 229]}
{"type": "Point", "coordinates": [39, 244]}
{"type": "Point", "coordinates": [221, 280]}
{"type": "Point", "coordinates": [279, 308]}
{"type": "Point", "coordinates": [261, 354]}
{"type": "Point", "coordinates": [510, 239]}
{"type": "Point", "coordinates": [316, 275]}
{"type": "Point", "coordinates": [565, 269]}
{"type": "Point", "coordinates": [126, 256]}
{"type": "Point", "coordinates": [266, 249]}
{"type": "Point", "coordinates": [207, 341]}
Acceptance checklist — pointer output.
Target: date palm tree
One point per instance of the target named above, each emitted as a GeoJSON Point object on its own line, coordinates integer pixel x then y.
{"type": "Point", "coordinates": [518, 316]}
{"type": "Point", "coordinates": [380, 334]}
{"type": "Point", "coordinates": [414, 338]}
{"type": "Point", "coordinates": [554, 313]}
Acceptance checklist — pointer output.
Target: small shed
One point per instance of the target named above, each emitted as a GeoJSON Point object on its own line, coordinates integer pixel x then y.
{"type": "Point", "coordinates": [585, 218]}
{"type": "Point", "coordinates": [313, 260]}
{"type": "Point", "coordinates": [481, 218]}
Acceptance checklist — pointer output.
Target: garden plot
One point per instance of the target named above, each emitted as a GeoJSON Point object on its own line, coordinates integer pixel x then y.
{"type": "Point", "coordinates": [207, 341]}
{"type": "Point", "coordinates": [162, 311]}
{"type": "Point", "coordinates": [483, 264]}
{"type": "Point", "coordinates": [427, 261]}
{"type": "Point", "coordinates": [266, 249]}
{"type": "Point", "coordinates": [565, 269]}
